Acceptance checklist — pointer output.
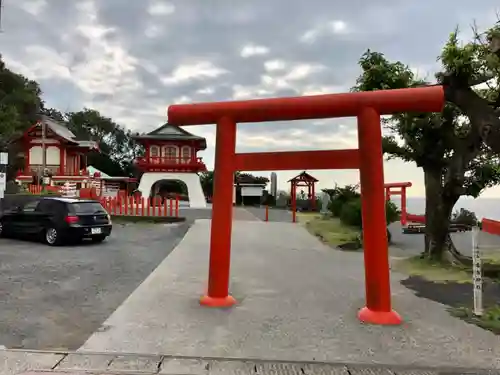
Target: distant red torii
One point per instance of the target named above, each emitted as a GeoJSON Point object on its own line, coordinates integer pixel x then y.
{"type": "Point", "coordinates": [400, 190]}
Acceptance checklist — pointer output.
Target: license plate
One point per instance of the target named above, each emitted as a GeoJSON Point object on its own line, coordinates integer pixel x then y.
{"type": "Point", "coordinates": [95, 231]}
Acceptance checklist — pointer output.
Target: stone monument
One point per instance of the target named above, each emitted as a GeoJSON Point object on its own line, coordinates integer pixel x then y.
{"type": "Point", "coordinates": [325, 200]}
{"type": "Point", "coordinates": [274, 185]}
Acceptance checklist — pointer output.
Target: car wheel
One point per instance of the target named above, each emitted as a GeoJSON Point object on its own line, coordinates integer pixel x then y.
{"type": "Point", "coordinates": [1, 230]}
{"type": "Point", "coordinates": [52, 237]}
{"type": "Point", "coordinates": [98, 239]}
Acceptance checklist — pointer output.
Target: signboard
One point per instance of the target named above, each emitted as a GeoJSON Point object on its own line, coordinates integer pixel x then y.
{"type": "Point", "coordinates": [3, 183]}
{"type": "Point", "coordinates": [4, 159]}
{"type": "Point", "coordinates": [251, 191]}
{"type": "Point", "coordinates": [477, 273]}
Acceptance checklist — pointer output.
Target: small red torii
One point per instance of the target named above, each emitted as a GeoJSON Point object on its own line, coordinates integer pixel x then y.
{"type": "Point", "coordinates": [303, 179]}
{"type": "Point", "coordinates": [400, 190]}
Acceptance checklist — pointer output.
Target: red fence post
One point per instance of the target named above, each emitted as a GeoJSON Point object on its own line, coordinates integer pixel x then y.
{"type": "Point", "coordinates": [404, 219]}
{"type": "Point", "coordinates": [177, 205]}
{"type": "Point", "coordinates": [222, 215]}
{"type": "Point", "coordinates": [267, 212]}
{"type": "Point", "coordinates": [378, 308]}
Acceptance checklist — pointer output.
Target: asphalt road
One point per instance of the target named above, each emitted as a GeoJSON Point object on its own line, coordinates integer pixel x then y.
{"type": "Point", "coordinates": [56, 297]}
{"type": "Point", "coordinates": [413, 244]}
{"type": "Point", "coordinates": [403, 244]}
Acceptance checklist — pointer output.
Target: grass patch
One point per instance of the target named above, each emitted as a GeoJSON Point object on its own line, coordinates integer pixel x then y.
{"type": "Point", "coordinates": [491, 257]}
{"type": "Point", "coordinates": [490, 319]}
{"type": "Point", "coordinates": [330, 230]}
{"type": "Point", "coordinates": [146, 219]}
{"type": "Point", "coordinates": [432, 271]}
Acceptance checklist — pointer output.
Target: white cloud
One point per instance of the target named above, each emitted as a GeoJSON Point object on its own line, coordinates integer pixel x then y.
{"type": "Point", "coordinates": [274, 65]}
{"type": "Point", "coordinates": [338, 27]}
{"type": "Point", "coordinates": [193, 71]}
{"type": "Point", "coordinates": [182, 100]}
{"type": "Point", "coordinates": [206, 91]}
{"type": "Point", "coordinates": [320, 90]}
{"type": "Point", "coordinates": [335, 27]}
{"type": "Point", "coordinates": [153, 31]}
{"type": "Point", "coordinates": [291, 78]}
{"type": "Point", "coordinates": [253, 50]}
{"type": "Point", "coordinates": [302, 71]}
{"type": "Point", "coordinates": [160, 8]}
{"type": "Point", "coordinates": [34, 7]}
{"type": "Point", "coordinates": [46, 63]}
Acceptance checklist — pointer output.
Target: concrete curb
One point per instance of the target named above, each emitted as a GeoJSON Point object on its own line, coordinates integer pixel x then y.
{"type": "Point", "coordinates": [54, 362]}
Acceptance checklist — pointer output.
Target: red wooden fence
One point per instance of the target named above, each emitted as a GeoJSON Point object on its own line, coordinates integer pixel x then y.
{"type": "Point", "coordinates": [490, 226]}
{"type": "Point", "coordinates": [420, 219]}
{"type": "Point", "coordinates": [133, 206]}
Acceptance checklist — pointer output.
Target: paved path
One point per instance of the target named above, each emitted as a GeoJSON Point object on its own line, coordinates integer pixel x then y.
{"type": "Point", "coordinates": [297, 301]}
{"type": "Point", "coordinates": [56, 297]}
{"type": "Point", "coordinates": [239, 213]}
{"type": "Point", "coordinates": [275, 215]}
{"type": "Point", "coordinates": [17, 362]}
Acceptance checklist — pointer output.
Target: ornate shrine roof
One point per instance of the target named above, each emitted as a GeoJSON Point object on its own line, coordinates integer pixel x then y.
{"type": "Point", "coordinates": [61, 131]}
{"type": "Point", "coordinates": [169, 132]}
{"type": "Point", "coordinates": [304, 176]}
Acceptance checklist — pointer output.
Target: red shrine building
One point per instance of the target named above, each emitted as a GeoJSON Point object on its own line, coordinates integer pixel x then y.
{"type": "Point", "coordinates": [171, 155]}
{"type": "Point", "coordinates": [65, 156]}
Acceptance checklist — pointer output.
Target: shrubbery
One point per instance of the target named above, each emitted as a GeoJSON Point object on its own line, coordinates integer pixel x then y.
{"type": "Point", "coordinates": [345, 203]}
{"type": "Point", "coordinates": [465, 217]}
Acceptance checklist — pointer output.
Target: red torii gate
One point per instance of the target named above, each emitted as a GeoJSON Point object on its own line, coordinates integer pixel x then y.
{"type": "Point", "coordinates": [368, 107]}
{"type": "Point", "coordinates": [400, 190]}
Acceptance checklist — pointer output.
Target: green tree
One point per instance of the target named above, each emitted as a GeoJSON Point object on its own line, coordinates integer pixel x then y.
{"type": "Point", "coordinates": [20, 102]}
{"type": "Point", "coordinates": [118, 149]}
{"type": "Point", "coordinates": [457, 149]}
{"type": "Point", "coordinates": [207, 183]}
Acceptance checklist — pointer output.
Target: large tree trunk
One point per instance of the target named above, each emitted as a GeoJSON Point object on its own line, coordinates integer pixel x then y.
{"type": "Point", "coordinates": [438, 209]}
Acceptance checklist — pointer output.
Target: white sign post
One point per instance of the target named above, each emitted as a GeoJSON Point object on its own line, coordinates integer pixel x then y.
{"type": "Point", "coordinates": [477, 273]}
{"type": "Point", "coordinates": [4, 159]}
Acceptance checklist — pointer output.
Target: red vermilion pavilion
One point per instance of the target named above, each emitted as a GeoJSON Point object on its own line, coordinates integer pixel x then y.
{"type": "Point", "coordinates": [304, 179]}
{"type": "Point", "coordinates": [66, 156]}
{"type": "Point", "coordinates": [171, 154]}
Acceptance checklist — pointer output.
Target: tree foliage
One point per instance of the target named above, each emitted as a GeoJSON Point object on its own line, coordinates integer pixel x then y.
{"type": "Point", "coordinates": [459, 148]}
{"type": "Point", "coordinates": [20, 101]}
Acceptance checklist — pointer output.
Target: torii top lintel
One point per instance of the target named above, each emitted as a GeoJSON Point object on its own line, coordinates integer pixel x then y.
{"type": "Point", "coordinates": [421, 99]}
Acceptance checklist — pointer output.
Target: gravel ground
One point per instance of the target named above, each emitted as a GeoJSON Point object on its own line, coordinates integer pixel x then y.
{"type": "Point", "coordinates": [56, 297]}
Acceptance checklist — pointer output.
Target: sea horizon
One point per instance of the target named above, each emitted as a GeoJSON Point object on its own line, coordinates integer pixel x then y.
{"type": "Point", "coordinates": [488, 208]}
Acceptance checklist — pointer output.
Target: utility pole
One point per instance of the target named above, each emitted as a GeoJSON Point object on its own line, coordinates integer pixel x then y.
{"type": "Point", "coordinates": [1, 12]}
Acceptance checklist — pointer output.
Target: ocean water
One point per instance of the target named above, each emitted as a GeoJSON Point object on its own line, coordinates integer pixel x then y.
{"type": "Point", "coordinates": [483, 207]}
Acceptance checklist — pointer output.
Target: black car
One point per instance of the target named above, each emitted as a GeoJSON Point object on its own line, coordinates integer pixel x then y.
{"type": "Point", "coordinates": [56, 221]}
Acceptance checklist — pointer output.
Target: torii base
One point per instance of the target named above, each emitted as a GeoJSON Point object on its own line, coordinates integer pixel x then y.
{"type": "Point", "coordinates": [208, 301]}
{"type": "Point", "coordinates": [385, 318]}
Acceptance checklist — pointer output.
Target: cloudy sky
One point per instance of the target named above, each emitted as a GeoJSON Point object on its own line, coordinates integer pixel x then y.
{"type": "Point", "coordinates": [131, 59]}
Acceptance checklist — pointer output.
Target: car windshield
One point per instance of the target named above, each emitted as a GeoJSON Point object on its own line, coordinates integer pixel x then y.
{"type": "Point", "coordinates": [88, 208]}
